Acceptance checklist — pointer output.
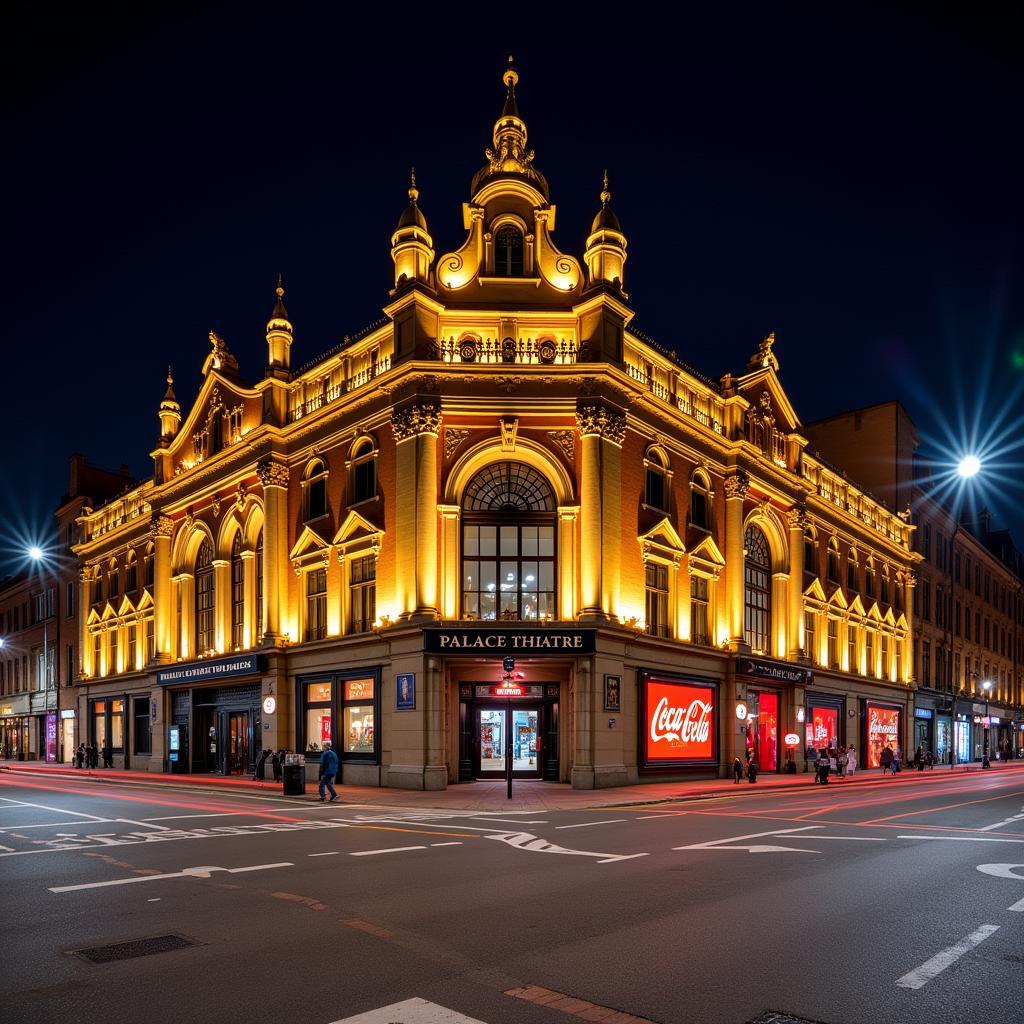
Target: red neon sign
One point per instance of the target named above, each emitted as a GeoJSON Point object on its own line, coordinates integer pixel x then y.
{"type": "Point", "coordinates": [680, 722]}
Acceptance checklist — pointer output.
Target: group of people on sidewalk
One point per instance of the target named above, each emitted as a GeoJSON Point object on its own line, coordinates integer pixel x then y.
{"type": "Point", "coordinates": [831, 759]}
{"type": "Point", "coordinates": [88, 755]}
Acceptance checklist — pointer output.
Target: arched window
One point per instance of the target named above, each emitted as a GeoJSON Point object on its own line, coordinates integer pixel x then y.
{"type": "Point", "coordinates": [131, 574]}
{"type": "Point", "coordinates": [833, 562]}
{"type": "Point", "coordinates": [757, 595]}
{"type": "Point", "coordinates": [113, 579]}
{"type": "Point", "coordinates": [851, 573]}
{"type": "Point", "coordinates": [314, 487]}
{"type": "Point", "coordinates": [656, 482]}
{"type": "Point", "coordinates": [508, 252]}
{"type": "Point", "coordinates": [237, 593]}
{"type": "Point", "coordinates": [508, 545]}
{"type": "Point", "coordinates": [259, 588]}
{"type": "Point", "coordinates": [869, 579]}
{"type": "Point", "coordinates": [147, 566]}
{"type": "Point", "coordinates": [810, 554]}
{"type": "Point", "coordinates": [700, 502]}
{"type": "Point", "coordinates": [205, 634]}
{"type": "Point", "coordinates": [97, 590]}
{"type": "Point", "coordinates": [364, 472]}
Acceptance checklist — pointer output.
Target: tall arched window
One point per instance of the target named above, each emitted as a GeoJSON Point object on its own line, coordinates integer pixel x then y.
{"type": "Point", "coordinates": [364, 472]}
{"type": "Point", "coordinates": [508, 545]}
{"type": "Point", "coordinates": [147, 566]}
{"type": "Point", "coordinates": [259, 589]}
{"type": "Point", "coordinates": [314, 487]}
{"type": "Point", "coordinates": [833, 562]}
{"type": "Point", "coordinates": [131, 573]}
{"type": "Point", "coordinates": [810, 554]}
{"type": "Point", "coordinates": [508, 252]}
{"type": "Point", "coordinates": [113, 579]}
{"type": "Point", "coordinates": [700, 502]}
{"type": "Point", "coordinates": [205, 633]}
{"type": "Point", "coordinates": [757, 595]}
{"type": "Point", "coordinates": [656, 482]}
{"type": "Point", "coordinates": [237, 593]}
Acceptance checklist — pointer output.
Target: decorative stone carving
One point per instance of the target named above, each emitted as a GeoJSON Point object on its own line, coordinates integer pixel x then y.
{"type": "Point", "coordinates": [911, 579]}
{"type": "Point", "coordinates": [796, 517]}
{"type": "Point", "coordinates": [509, 429]}
{"type": "Point", "coordinates": [418, 418]}
{"type": "Point", "coordinates": [737, 486]}
{"type": "Point", "coordinates": [602, 421]}
{"type": "Point", "coordinates": [190, 521]}
{"type": "Point", "coordinates": [161, 526]}
{"type": "Point", "coordinates": [215, 505]}
{"type": "Point", "coordinates": [453, 437]}
{"type": "Point", "coordinates": [272, 473]}
{"type": "Point", "coordinates": [566, 440]}
{"type": "Point", "coordinates": [508, 384]}
{"type": "Point", "coordinates": [241, 496]}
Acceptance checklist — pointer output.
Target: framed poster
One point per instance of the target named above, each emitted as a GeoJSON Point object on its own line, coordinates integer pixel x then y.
{"type": "Point", "coordinates": [613, 693]}
{"type": "Point", "coordinates": [678, 721]}
{"type": "Point", "coordinates": [405, 691]}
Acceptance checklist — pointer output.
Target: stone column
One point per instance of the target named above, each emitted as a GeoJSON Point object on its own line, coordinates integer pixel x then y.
{"type": "Point", "coordinates": [160, 530]}
{"type": "Point", "coordinates": [583, 741]}
{"type": "Point", "coordinates": [907, 668]}
{"type": "Point", "coordinates": [735, 491]}
{"type": "Point", "coordinates": [450, 569]}
{"type": "Point", "coordinates": [85, 665]}
{"type": "Point", "coordinates": [567, 561]}
{"type": "Point", "coordinates": [602, 431]}
{"type": "Point", "coordinates": [221, 605]}
{"type": "Point", "coordinates": [251, 629]}
{"type": "Point", "coordinates": [415, 428]}
{"type": "Point", "coordinates": [273, 476]}
{"type": "Point", "coordinates": [796, 520]}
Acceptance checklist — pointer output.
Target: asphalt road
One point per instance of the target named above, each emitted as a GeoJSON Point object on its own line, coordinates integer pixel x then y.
{"type": "Point", "coordinates": [874, 903]}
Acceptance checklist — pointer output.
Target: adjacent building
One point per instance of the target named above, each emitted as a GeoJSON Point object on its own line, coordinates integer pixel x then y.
{"type": "Point", "coordinates": [969, 611]}
{"type": "Point", "coordinates": [498, 529]}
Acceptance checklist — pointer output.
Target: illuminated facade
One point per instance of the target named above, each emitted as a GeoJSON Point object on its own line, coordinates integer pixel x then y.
{"type": "Point", "coordinates": [501, 468]}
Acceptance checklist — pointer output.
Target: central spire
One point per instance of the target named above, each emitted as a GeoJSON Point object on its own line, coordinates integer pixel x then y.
{"type": "Point", "coordinates": [508, 155]}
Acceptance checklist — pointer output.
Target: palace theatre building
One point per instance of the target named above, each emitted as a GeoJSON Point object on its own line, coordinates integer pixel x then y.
{"type": "Point", "coordinates": [500, 524]}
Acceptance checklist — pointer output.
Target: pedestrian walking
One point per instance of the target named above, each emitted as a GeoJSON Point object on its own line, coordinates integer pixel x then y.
{"type": "Point", "coordinates": [328, 770]}
{"type": "Point", "coordinates": [275, 765]}
{"type": "Point", "coordinates": [885, 759]}
{"type": "Point", "coordinates": [823, 768]}
{"type": "Point", "coordinates": [897, 757]}
{"type": "Point", "coordinates": [851, 760]}
{"type": "Point", "coordinates": [92, 755]}
{"type": "Point", "coordinates": [737, 769]}
{"type": "Point", "coordinates": [751, 770]}
{"type": "Point", "coordinates": [108, 755]}
{"type": "Point", "coordinates": [811, 756]}
{"type": "Point", "coordinates": [80, 755]}
{"type": "Point", "coordinates": [919, 759]}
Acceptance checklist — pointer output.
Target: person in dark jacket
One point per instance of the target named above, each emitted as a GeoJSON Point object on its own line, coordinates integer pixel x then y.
{"type": "Point", "coordinates": [108, 755]}
{"type": "Point", "coordinates": [885, 758]}
{"type": "Point", "coordinates": [737, 769]}
{"type": "Point", "coordinates": [275, 764]}
{"type": "Point", "coordinates": [328, 770]}
{"type": "Point", "coordinates": [80, 755]}
{"type": "Point", "coordinates": [751, 770]}
{"type": "Point", "coordinates": [824, 767]}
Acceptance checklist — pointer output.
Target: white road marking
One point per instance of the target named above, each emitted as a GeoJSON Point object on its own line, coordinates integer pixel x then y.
{"type": "Point", "coordinates": [8, 849]}
{"type": "Point", "coordinates": [394, 849]}
{"type": "Point", "coordinates": [143, 824]}
{"type": "Point", "coordinates": [52, 824]}
{"type": "Point", "coordinates": [585, 824]}
{"type": "Point", "coordinates": [56, 810]}
{"type": "Point", "coordinates": [1002, 871]}
{"type": "Point", "coordinates": [1018, 906]}
{"type": "Point", "coordinates": [964, 839]}
{"type": "Point", "coordinates": [446, 844]}
{"type": "Point", "coordinates": [411, 1011]}
{"type": "Point", "coordinates": [853, 839]}
{"type": "Point", "coordinates": [155, 899]}
{"type": "Point", "coordinates": [509, 821]}
{"type": "Point", "coordinates": [930, 969]}
{"type": "Point", "coordinates": [1005, 821]}
{"type": "Point", "coordinates": [533, 844]}
{"type": "Point", "coordinates": [730, 842]}
{"type": "Point", "coordinates": [330, 853]}
{"type": "Point", "coordinates": [670, 814]}
{"type": "Point", "coordinates": [201, 872]}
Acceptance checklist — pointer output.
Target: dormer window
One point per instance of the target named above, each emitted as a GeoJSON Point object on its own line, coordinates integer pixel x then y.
{"type": "Point", "coordinates": [508, 252]}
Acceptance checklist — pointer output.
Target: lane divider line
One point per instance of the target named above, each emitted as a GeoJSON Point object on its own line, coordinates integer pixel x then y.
{"type": "Point", "coordinates": [920, 976]}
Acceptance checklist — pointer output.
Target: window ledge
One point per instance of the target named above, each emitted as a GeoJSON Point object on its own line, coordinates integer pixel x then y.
{"type": "Point", "coordinates": [364, 501]}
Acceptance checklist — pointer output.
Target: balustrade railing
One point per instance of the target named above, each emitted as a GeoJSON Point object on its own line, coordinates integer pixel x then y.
{"type": "Point", "coordinates": [331, 394]}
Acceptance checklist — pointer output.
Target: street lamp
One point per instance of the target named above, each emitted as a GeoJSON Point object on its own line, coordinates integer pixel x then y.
{"type": "Point", "coordinates": [967, 468]}
{"type": "Point", "coordinates": [987, 687]}
{"type": "Point", "coordinates": [36, 554]}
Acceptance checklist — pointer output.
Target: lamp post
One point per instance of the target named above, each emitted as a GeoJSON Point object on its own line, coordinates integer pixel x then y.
{"type": "Point", "coordinates": [967, 468]}
{"type": "Point", "coordinates": [36, 554]}
{"type": "Point", "coordinates": [987, 687]}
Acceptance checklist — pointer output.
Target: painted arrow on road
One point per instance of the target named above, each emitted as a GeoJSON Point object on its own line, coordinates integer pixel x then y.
{"type": "Point", "coordinates": [735, 842]}
{"type": "Point", "coordinates": [534, 844]}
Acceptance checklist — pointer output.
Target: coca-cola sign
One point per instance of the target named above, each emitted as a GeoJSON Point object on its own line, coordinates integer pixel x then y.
{"type": "Point", "coordinates": [679, 721]}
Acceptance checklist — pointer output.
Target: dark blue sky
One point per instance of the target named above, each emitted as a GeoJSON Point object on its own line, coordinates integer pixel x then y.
{"type": "Point", "coordinates": [853, 183]}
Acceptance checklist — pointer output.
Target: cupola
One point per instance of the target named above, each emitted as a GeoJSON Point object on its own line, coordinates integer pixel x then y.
{"type": "Point", "coordinates": [279, 336]}
{"type": "Point", "coordinates": [605, 254]}
{"type": "Point", "coordinates": [170, 411]}
{"type": "Point", "coordinates": [411, 245]}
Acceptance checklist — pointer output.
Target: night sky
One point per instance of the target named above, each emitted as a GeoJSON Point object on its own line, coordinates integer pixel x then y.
{"type": "Point", "coordinates": [854, 184]}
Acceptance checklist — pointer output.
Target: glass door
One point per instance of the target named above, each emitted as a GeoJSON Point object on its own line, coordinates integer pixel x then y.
{"type": "Point", "coordinates": [238, 743]}
{"type": "Point", "coordinates": [492, 740]}
{"type": "Point", "coordinates": [524, 740]}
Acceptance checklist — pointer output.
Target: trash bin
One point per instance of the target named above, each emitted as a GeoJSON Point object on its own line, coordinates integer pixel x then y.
{"type": "Point", "coordinates": [294, 774]}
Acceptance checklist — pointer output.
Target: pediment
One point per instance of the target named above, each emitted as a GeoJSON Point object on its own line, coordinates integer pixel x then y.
{"type": "Point", "coordinates": [874, 613]}
{"type": "Point", "coordinates": [217, 394]}
{"type": "Point", "coordinates": [146, 601]}
{"type": "Point", "coordinates": [889, 618]}
{"type": "Point", "coordinates": [126, 606]}
{"type": "Point", "coordinates": [356, 529]}
{"type": "Point", "coordinates": [663, 535]}
{"type": "Point", "coordinates": [857, 605]}
{"type": "Point", "coordinates": [93, 617]}
{"type": "Point", "coordinates": [816, 591]}
{"type": "Point", "coordinates": [707, 551]}
{"type": "Point", "coordinates": [838, 599]}
{"type": "Point", "coordinates": [764, 391]}
{"type": "Point", "coordinates": [309, 543]}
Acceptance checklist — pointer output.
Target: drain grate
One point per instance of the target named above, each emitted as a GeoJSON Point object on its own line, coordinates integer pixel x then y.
{"type": "Point", "coordinates": [134, 948]}
{"type": "Point", "coordinates": [777, 1017]}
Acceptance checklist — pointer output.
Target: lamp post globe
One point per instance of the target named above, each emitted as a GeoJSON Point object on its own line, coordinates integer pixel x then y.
{"type": "Point", "coordinates": [969, 465]}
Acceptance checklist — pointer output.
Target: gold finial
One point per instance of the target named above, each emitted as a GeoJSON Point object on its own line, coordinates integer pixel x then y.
{"type": "Point", "coordinates": [511, 76]}
{"type": "Point", "coordinates": [170, 376]}
{"type": "Point", "coordinates": [280, 287]}
{"type": "Point", "coordinates": [414, 192]}
{"type": "Point", "coordinates": [606, 196]}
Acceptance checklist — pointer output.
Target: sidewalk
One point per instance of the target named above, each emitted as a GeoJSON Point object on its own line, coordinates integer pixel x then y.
{"type": "Point", "coordinates": [491, 795]}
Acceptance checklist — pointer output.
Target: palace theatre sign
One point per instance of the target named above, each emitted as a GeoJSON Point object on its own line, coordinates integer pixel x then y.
{"type": "Point", "coordinates": [526, 643]}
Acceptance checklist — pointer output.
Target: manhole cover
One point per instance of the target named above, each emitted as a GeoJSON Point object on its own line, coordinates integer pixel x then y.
{"type": "Point", "coordinates": [777, 1017]}
{"type": "Point", "coordinates": [134, 948]}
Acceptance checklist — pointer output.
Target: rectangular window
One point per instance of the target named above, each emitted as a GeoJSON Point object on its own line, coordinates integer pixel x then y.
{"type": "Point", "coordinates": [131, 577]}
{"type": "Point", "coordinates": [869, 653]}
{"type": "Point", "coordinates": [851, 576]}
{"type": "Point", "coordinates": [117, 724]}
{"type": "Point", "coordinates": [699, 632]}
{"type": "Point", "coordinates": [833, 643]}
{"type": "Point", "coordinates": [69, 600]}
{"type": "Point", "coordinates": [316, 604]}
{"type": "Point", "coordinates": [150, 639]}
{"type": "Point", "coordinates": [205, 633]}
{"type": "Point", "coordinates": [318, 715]}
{"type": "Point", "coordinates": [357, 717]}
{"type": "Point", "coordinates": [69, 673]}
{"type": "Point", "coordinates": [884, 673]}
{"type": "Point", "coordinates": [142, 736]}
{"type": "Point", "coordinates": [133, 648]}
{"type": "Point", "coordinates": [926, 663]}
{"type": "Point", "coordinates": [926, 599]}
{"type": "Point", "coordinates": [362, 588]}
{"type": "Point", "coordinates": [112, 663]}
{"type": "Point", "coordinates": [810, 648]}
{"type": "Point", "coordinates": [237, 603]}
{"type": "Point", "coordinates": [926, 541]}
{"type": "Point", "coordinates": [656, 584]}
{"type": "Point", "coordinates": [851, 647]}
{"type": "Point", "coordinates": [97, 654]}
